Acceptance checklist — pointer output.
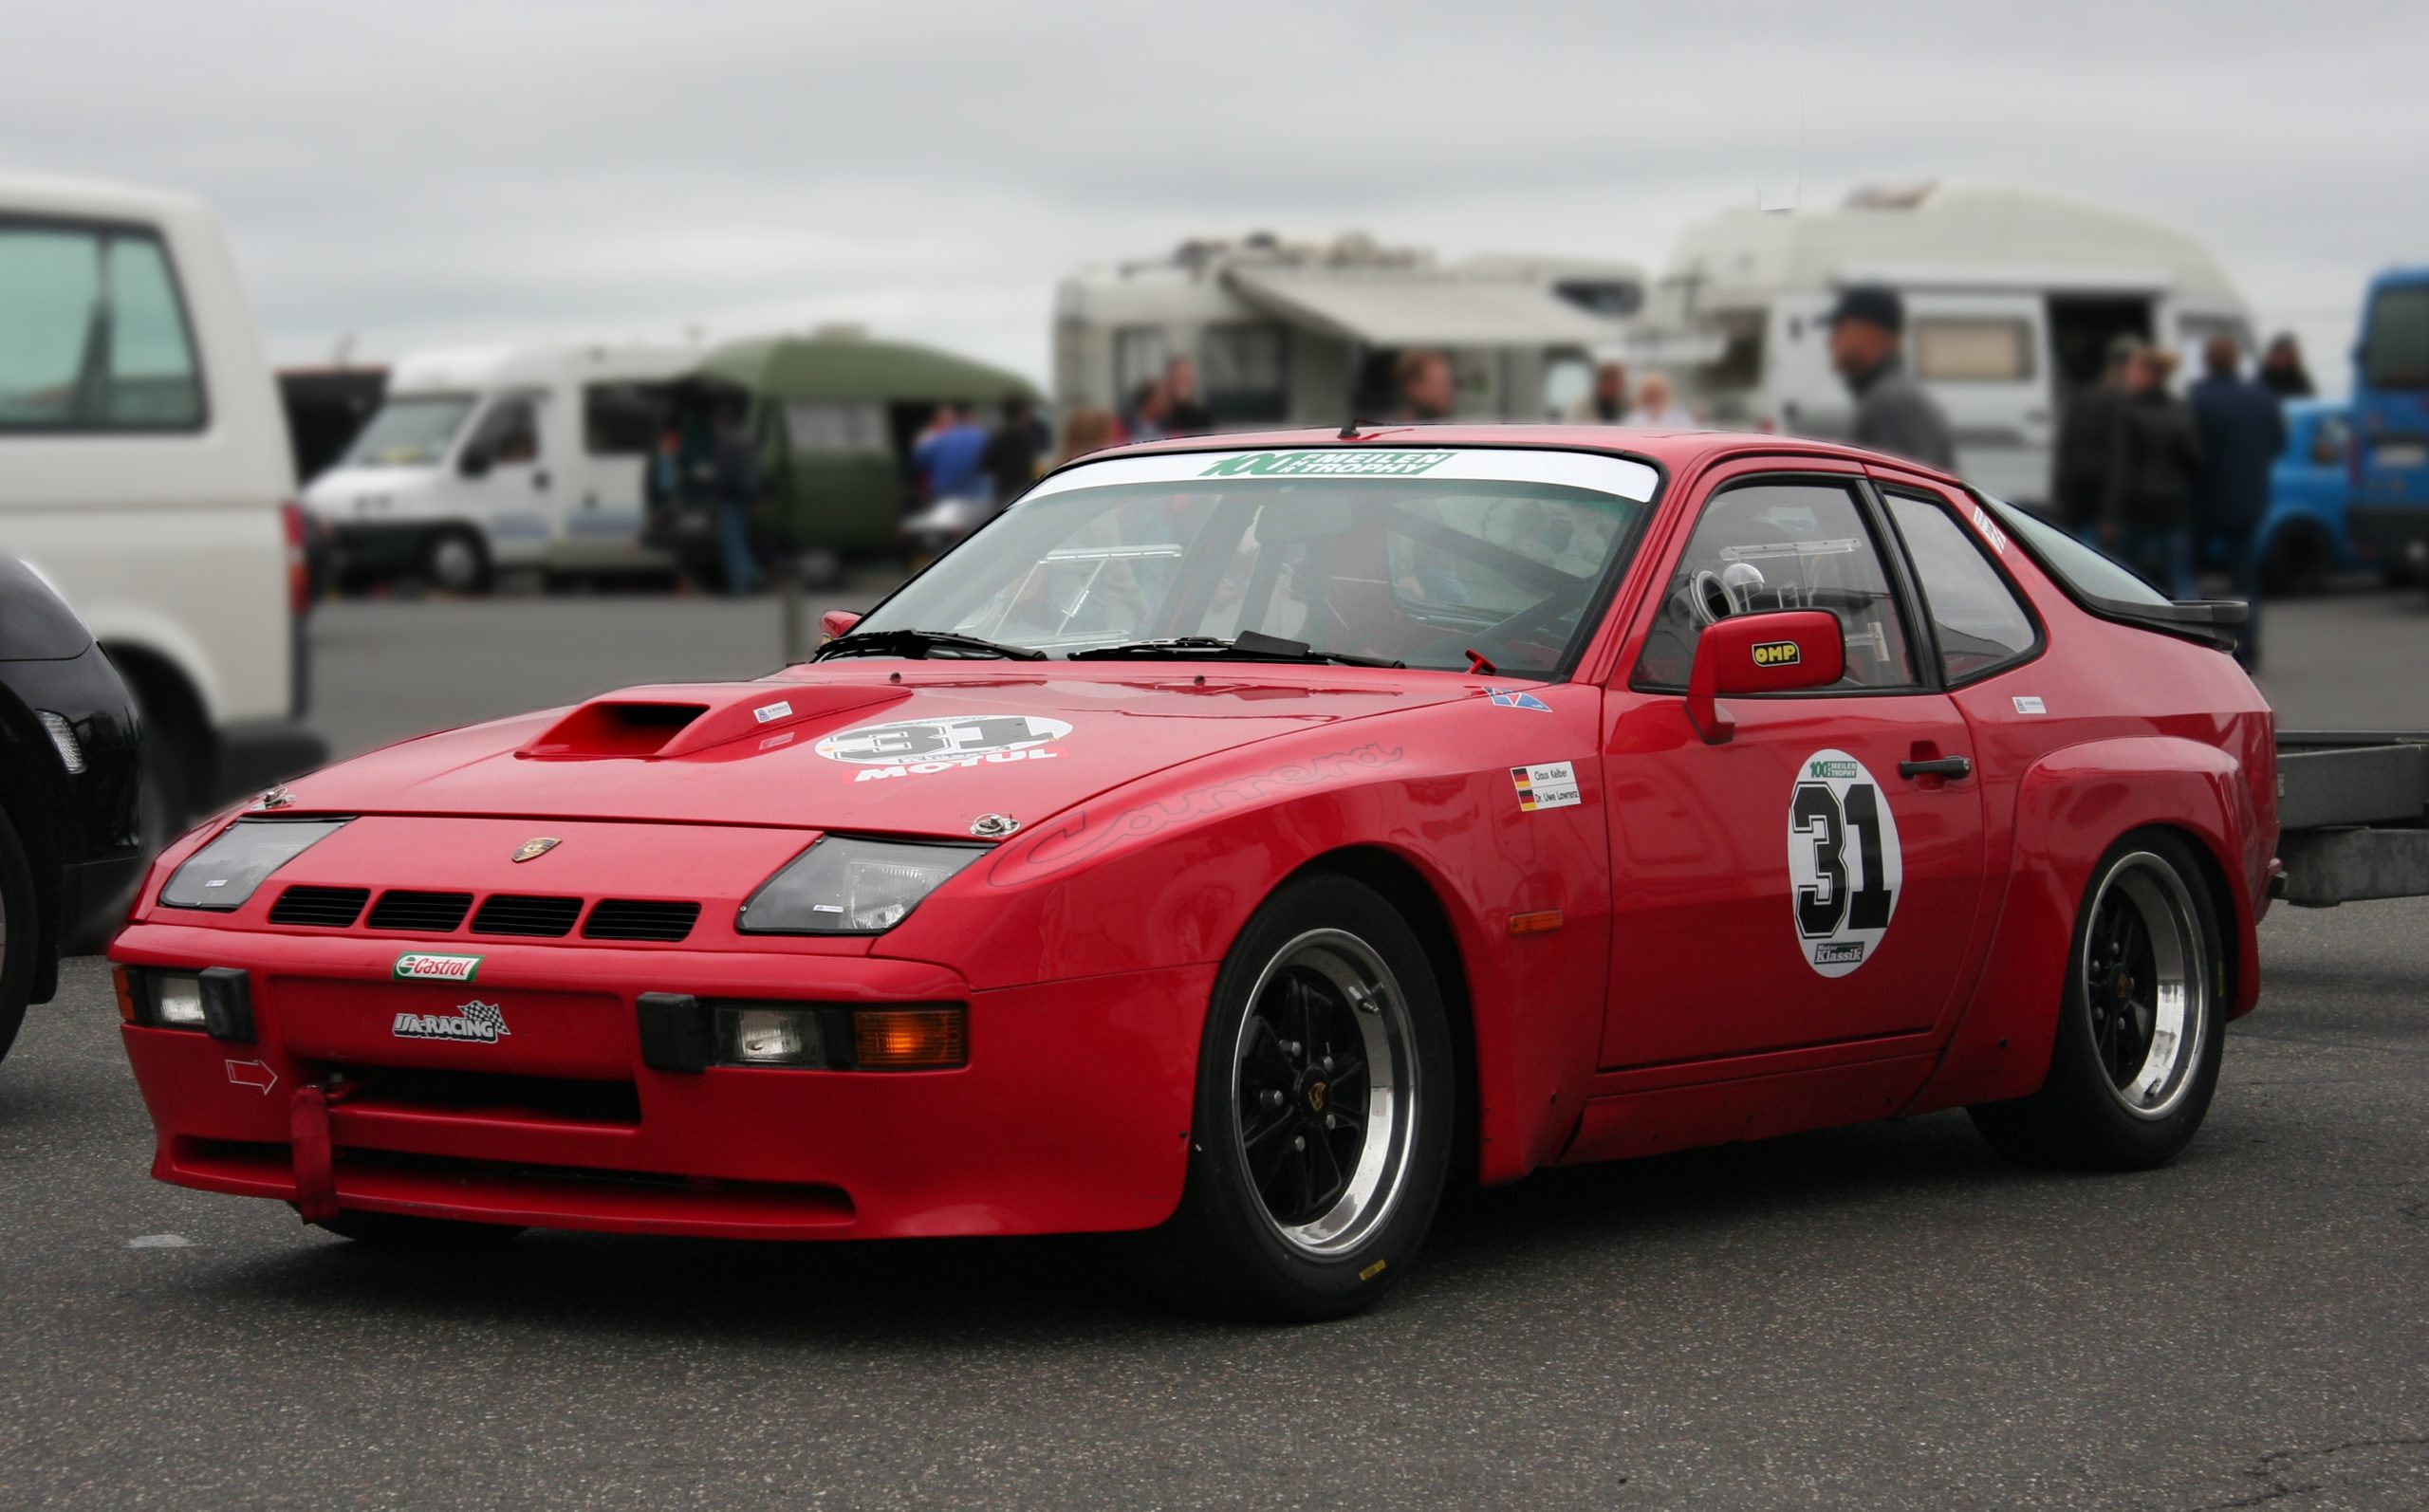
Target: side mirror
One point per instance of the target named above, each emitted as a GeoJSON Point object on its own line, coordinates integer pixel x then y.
{"type": "Point", "coordinates": [835, 623]}
{"type": "Point", "coordinates": [1773, 653]}
{"type": "Point", "coordinates": [474, 463]}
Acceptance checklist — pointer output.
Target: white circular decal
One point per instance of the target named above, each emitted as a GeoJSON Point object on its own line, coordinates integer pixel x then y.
{"type": "Point", "coordinates": [958, 740]}
{"type": "Point", "coordinates": [1844, 866]}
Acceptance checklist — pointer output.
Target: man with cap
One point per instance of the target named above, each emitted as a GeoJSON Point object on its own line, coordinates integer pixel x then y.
{"type": "Point", "coordinates": [1892, 414]}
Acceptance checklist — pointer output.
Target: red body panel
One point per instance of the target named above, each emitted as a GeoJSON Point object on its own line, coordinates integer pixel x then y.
{"type": "Point", "coordinates": [1158, 806]}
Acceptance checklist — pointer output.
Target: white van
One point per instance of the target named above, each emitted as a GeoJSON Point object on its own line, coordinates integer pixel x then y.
{"type": "Point", "coordinates": [499, 460]}
{"type": "Point", "coordinates": [144, 469]}
{"type": "Point", "coordinates": [2011, 298]}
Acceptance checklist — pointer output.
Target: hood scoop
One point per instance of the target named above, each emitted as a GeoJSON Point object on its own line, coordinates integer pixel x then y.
{"type": "Point", "coordinates": [678, 719]}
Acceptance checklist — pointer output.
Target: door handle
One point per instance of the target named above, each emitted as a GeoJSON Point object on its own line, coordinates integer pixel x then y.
{"type": "Point", "coordinates": [540, 480]}
{"type": "Point", "coordinates": [1944, 766]}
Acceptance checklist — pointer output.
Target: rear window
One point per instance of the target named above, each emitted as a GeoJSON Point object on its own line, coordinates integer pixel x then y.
{"type": "Point", "coordinates": [93, 332]}
{"type": "Point", "coordinates": [2395, 348]}
{"type": "Point", "coordinates": [2076, 565]}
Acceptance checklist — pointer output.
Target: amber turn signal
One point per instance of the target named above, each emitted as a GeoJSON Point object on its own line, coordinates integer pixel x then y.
{"type": "Point", "coordinates": [909, 1039]}
{"type": "Point", "coordinates": [1541, 921]}
{"type": "Point", "coordinates": [125, 993]}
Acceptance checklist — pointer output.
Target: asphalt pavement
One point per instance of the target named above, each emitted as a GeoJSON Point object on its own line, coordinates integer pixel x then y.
{"type": "Point", "coordinates": [1886, 1316]}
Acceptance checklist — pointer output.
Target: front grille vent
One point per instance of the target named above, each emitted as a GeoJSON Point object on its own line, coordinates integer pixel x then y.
{"type": "Point", "coordinates": [634, 918]}
{"type": "Point", "coordinates": [538, 917]}
{"type": "Point", "coordinates": [422, 913]}
{"type": "Point", "coordinates": [326, 908]}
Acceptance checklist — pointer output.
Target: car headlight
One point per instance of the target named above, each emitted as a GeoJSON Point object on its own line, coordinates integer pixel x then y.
{"type": "Point", "coordinates": [225, 873]}
{"type": "Point", "coordinates": [846, 885]}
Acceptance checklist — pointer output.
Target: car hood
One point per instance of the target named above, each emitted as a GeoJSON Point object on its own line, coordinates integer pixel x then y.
{"type": "Point", "coordinates": [874, 746]}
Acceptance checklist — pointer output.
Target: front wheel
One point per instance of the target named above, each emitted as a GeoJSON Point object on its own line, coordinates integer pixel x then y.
{"type": "Point", "coordinates": [1324, 1122]}
{"type": "Point", "coordinates": [2142, 1029]}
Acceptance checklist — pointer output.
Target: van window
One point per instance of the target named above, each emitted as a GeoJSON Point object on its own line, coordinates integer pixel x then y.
{"type": "Point", "coordinates": [410, 430]}
{"type": "Point", "coordinates": [93, 334]}
{"type": "Point", "coordinates": [856, 428]}
{"type": "Point", "coordinates": [1980, 625]}
{"type": "Point", "coordinates": [1138, 357]}
{"type": "Point", "coordinates": [1241, 369]}
{"type": "Point", "coordinates": [509, 434]}
{"type": "Point", "coordinates": [622, 419]}
{"type": "Point", "coordinates": [2394, 347]}
{"type": "Point", "coordinates": [1953, 349]}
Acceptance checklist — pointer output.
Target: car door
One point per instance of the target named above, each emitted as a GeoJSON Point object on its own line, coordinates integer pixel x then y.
{"type": "Point", "coordinates": [1814, 879]}
{"type": "Point", "coordinates": [1986, 358]}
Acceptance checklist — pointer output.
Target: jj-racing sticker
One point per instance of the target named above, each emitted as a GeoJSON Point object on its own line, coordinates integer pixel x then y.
{"type": "Point", "coordinates": [1844, 864]}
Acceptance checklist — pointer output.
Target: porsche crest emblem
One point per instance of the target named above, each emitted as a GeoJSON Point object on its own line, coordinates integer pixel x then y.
{"type": "Point", "coordinates": [1316, 1097]}
{"type": "Point", "coordinates": [533, 849]}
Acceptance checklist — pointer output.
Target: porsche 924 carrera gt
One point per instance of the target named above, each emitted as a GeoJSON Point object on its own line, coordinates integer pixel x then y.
{"type": "Point", "coordinates": [1238, 841]}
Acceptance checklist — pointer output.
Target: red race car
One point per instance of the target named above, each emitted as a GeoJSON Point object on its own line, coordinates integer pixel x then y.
{"type": "Point", "coordinates": [1238, 843]}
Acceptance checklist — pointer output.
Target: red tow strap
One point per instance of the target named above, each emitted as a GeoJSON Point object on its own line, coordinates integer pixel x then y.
{"type": "Point", "coordinates": [316, 1181]}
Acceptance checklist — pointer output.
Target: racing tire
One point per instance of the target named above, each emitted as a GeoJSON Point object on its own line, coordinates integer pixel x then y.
{"type": "Point", "coordinates": [406, 1234]}
{"type": "Point", "coordinates": [2142, 1029]}
{"type": "Point", "coordinates": [20, 934]}
{"type": "Point", "coordinates": [457, 561]}
{"type": "Point", "coordinates": [1323, 1121]}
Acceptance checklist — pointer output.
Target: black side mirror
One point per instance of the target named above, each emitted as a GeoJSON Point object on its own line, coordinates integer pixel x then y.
{"type": "Point", "coordinates": [473, 463]}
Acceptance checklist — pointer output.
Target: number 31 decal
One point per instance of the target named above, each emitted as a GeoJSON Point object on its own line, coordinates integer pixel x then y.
{"type": "Point", "coordinates": [1844, 864]}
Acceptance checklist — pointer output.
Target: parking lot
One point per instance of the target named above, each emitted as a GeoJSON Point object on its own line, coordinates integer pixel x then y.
{"type": "Point", "coordinates": [1876, 1317]}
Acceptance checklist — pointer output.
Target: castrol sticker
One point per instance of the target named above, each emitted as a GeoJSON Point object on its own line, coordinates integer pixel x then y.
{"type": "Point", "coordinates": [911, 746]}
{"type": "Point", "coordinates": [422, 965]}
{"type": "Point", "coordinates": [1844, 865]}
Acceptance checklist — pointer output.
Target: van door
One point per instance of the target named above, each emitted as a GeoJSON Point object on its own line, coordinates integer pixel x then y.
{"type": "Point", "coordinates": [1986, 358]}
{"type": "Point", "coordinates": [503, 477]}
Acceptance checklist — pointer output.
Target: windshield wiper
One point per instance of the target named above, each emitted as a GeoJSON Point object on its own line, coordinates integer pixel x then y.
{"type": "Point", "coordinates": [917, 644]}
{"type": "Point", "coordinates": [1248, 645]}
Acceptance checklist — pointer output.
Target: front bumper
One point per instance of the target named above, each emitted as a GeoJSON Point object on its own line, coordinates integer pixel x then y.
{"type": "Point", "coordinates": [1071, 1116]}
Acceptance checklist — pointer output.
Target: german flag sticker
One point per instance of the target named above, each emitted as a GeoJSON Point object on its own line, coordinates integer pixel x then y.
{"type": "Point", "coordinates": [1777, 654]}
{"type": "Point", "coordinates": [1546, 785]}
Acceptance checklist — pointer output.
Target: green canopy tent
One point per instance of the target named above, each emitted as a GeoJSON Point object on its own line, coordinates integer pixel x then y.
{"type": "Point", "coordinates": [835, 416]}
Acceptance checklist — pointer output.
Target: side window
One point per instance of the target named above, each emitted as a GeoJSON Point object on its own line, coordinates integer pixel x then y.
{"type": "Point", "coordinates": [1973, 350]}
{"type": "Point", "coordinates": [2328, 443]}
{"type": "Point", "coordinates": [93, 335]}
{"type": "Point", "coordinates": [622, 419]}
{"type": "Point", "coordinates": [1973, 612]}
{"type": "Point", "coordinates": [822, 427]}
{"type": "Point", "coordinates": [509, 434]}
{"type": "Point", "coordinates": [1782, 546]}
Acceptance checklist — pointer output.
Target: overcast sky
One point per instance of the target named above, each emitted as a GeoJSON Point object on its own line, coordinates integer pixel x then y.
{"type": "Point", "coordinates": [427, 172]}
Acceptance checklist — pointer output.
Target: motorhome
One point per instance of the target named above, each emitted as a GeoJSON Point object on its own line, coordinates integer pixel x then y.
{"type": "Point", "coordinates": [505, 460]}
{"type": "Point", "coordinates": [2012, 297]}
{"type": "Point", "coordinates": [1300, 333]}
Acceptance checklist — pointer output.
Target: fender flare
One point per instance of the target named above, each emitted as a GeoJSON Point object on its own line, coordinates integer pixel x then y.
{"type": "Point", "coordinates": [2070, 807]}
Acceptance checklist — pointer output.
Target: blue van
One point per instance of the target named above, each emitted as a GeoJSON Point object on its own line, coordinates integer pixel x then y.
{"type": "Point", "coordinates": [2303, 536]}
{"type": "Point", "coordinates": [2389, 516]}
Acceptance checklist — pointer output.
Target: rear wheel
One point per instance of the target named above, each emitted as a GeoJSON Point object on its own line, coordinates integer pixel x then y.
{"type": "Point", "coordinates": [1323, 1130]}
{"type": "Point", "coordinates": [20, 934]}
{"type": "Point", "coordinates": [457, 561]}
{"type": "Point", "coordinates": [401, 1232]}
{"type": "Point", "coordinates": [2142, 1030]}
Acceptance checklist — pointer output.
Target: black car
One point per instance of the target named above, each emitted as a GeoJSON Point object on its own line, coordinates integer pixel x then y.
{"type": "Point", "coordinates": [69, 746]}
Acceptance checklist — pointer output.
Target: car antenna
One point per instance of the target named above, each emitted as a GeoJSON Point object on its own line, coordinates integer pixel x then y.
{"type": "Point", "coordinates": [1348, 430]}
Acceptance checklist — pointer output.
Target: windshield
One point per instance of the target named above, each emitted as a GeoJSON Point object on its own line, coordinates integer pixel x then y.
{"type": "Point", "coordinates": [1406, 555]}
{"type": "Point", "coordinates": [411, 431]}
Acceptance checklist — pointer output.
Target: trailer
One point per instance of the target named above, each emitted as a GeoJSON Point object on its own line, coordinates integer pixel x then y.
{"type": "Point", "coordinates": [2353, 816]}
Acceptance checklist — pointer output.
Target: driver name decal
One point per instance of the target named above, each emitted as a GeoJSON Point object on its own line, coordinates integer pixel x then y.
{"type": "Point", "coordinates": [1327, 464]}
{"type": "Point", "coordinates": [1844, 865]}
{"type": "Point", "coordinates": [917, 746]}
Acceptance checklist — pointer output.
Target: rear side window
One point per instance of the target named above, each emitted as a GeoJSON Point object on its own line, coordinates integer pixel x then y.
{"type": "Point", "coordinates": [1975, 614]}
{"type": "Point", "coordinates": [2076, 565]}
{"type": "Point", "coordinates": [93, 333]}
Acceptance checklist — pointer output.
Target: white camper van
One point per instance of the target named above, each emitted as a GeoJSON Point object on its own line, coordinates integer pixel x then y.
{"type": "Point", "coordinates": [2011, 298]}
{"type": "Point", "coordinates": [504, 459]}
{"type": "Point", "coordinates": [1306, 333]}
{"type": "Point", "coordinates": [144, 469]}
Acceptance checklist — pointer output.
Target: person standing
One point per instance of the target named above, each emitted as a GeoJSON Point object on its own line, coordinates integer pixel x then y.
{"type": "Point", "coordinates": [2242, 429]}
{"type": "Point", "coordinates": [1086, 429]}
{"type": "Point", "coordinates": [2154, 469]}
{"type": "Point", "coordinates": [2086, 437]}
{"type": "Point", "coordinates": [946, 455]}
{"type": "Point", "coordinates": [1892, 414]}
{"type": "Point", "coordinates": [734, 486]}
{"type": "Point", "coordinates": [1186, 413]}
{"type": "Point", "coordinates": [1656, 411]}
{"type": "Point", "coordinates": [2281, 368]}
{"type": "Point", "coordinates": [1151, 407]}
{"type": "Point", "coordinates": [1010, 458]}
{"type": "Point", "coordinates": [1424, 386]}
{"type": "Point", "coordinates": [1606, 403]}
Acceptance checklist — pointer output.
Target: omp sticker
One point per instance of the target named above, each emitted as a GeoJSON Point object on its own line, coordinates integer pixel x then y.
{"type": "Point", "coordinates": [938, 745]}
{"type": "Point", "coordinates": [781, 709]}
{"type": "Point", "coordinates": [422, 965]}
{"type": "Point", "coordinates": [479, 1022]}
{"type": "Point", "coordinates": [2026, 704]}
{"type": "Point", "coordinates": [1844, 865]}
{"type": "Point", "coordinates": [1327, 464]}
{"type": "Point", "coordinates": [1991, 531]}
{"type": "Point", "coordinates": [1516, 698]}
{"type": "Point", "coordinates": [1549, 785]}
{"type": "Point", "coordinates": [1777, 654]}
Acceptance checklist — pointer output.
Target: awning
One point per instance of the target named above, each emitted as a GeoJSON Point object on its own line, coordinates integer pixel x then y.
{"type": "Point", "coordinates": [1421, 306]}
